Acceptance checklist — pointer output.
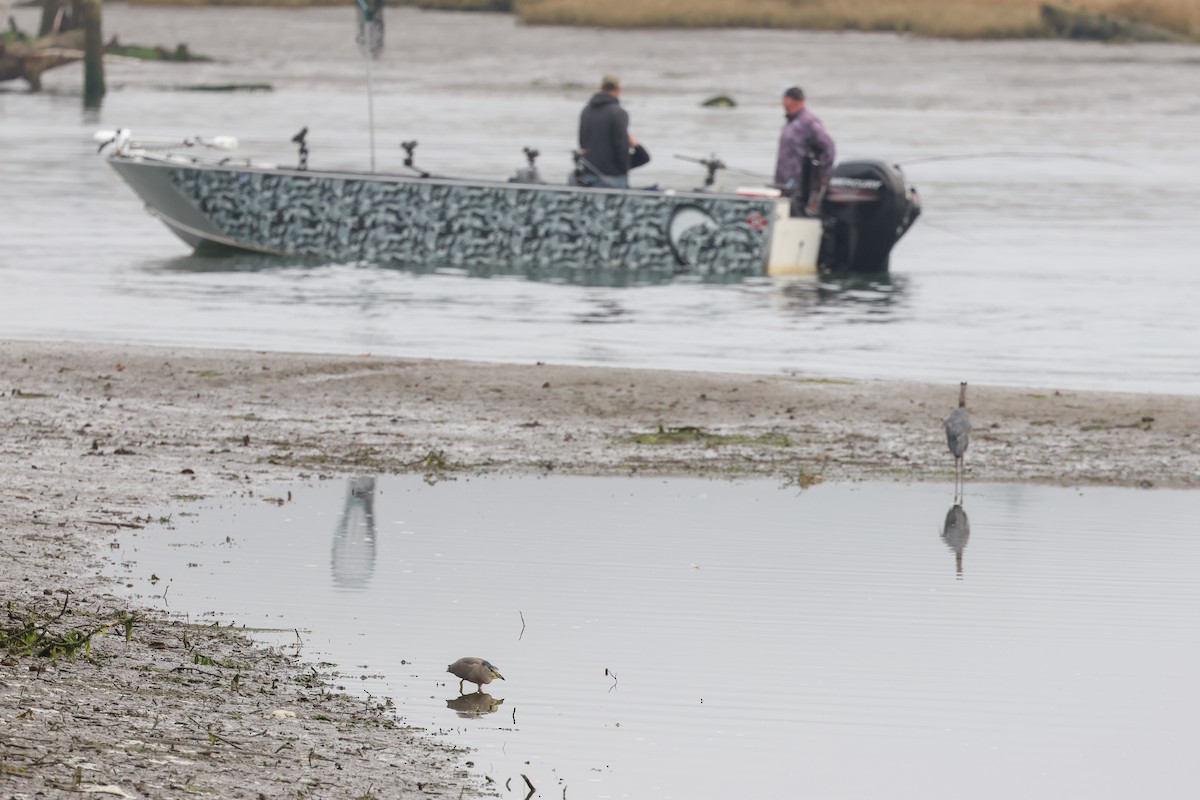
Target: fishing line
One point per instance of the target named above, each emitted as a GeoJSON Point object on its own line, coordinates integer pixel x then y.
{"type": "Point", "coordinates": [1013, 154]}
{"type": "Point", "coordinates": [370, 37]}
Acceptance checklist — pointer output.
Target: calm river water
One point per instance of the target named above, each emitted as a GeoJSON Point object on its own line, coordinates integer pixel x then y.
{"type": "Point", "coordinates": [1067, 257]}
{"type": "Point", "coordinates": [711, 639]}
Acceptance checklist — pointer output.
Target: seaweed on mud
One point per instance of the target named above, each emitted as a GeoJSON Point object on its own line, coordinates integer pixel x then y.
{"type": "Point", "coordinates": [34, 632]}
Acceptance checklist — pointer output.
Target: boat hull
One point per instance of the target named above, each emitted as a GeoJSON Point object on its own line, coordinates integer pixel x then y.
{"type": "Point", "coordinates": [421, 221]}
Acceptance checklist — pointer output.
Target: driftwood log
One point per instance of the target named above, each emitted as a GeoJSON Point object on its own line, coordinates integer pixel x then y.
{"type": "Point", "coordinates": [73, 33]}
{"type": "Point", "coordinates": [28, 60]}
{"type": "Point", "coordinates": [70, 31]}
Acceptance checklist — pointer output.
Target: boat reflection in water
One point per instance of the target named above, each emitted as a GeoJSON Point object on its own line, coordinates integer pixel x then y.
{"type": "Point", "coordinates": [353, 558]}
{"type": "Point", "coordinates": [474, 704]}
{"type": "Point", "coordinates": [956, 530]}
{"type": "Point", "coordinates": [571, 275]}
{"type": "Point", "coordinates": [233, 262]}
{"type": "Point", "coordinates": [879, 294]}
{"type": "Point", "coordinates": [876, 294]}
{"type": "Point", "coordinates": [560, 274]}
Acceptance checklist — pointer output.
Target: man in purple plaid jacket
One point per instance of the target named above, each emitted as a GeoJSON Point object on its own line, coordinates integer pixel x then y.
{"type": "Point", "coordinates": [803, 142]}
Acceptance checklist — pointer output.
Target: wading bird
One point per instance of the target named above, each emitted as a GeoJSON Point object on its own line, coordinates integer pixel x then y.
{"type": "Point", "coordinates": [476, 670]}
{"type": "Point", "coordinates": [958, 432]}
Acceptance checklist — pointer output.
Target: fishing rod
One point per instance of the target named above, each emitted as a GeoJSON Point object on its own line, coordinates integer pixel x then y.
{"type": "Point", "coordinates": [712, 165]}
{"type": "Point", "coordinates": [408, 148]}
{"type": "Point", "coordinates": [582, 166]}
{"type": "Point", "coordinates": [582, 163]}
{"type": "Point", "coordinates": [1011, 154]}
{"type": "Point", "coordinates": [301, 140]}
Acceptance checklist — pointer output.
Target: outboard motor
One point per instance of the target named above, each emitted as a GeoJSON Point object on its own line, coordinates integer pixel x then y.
{"type": "Point", "coordinates": [868, 206]}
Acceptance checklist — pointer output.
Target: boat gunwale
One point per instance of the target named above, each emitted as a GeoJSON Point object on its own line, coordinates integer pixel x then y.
{"type": "Point", "coordinates": [175, 161]}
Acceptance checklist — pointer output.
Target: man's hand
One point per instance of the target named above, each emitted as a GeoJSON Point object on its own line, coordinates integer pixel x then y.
{"type": "Point", "coordinates": [814, 201]}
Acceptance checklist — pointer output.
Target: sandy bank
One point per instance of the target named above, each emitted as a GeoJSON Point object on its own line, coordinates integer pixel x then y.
{"type": "Point", "coordinates": [94, 436]}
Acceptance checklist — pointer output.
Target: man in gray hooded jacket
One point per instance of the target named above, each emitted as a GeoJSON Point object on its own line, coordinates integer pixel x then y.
{"type": "Point", "coordinates": [604, 138]}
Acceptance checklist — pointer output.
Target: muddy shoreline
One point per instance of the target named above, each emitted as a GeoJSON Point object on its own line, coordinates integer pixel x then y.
{"type": "Point", "coordinates": [96, 436]}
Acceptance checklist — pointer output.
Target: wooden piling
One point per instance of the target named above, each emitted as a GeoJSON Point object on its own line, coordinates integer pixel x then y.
{"type": "Point", "coordinates": [93, 53]}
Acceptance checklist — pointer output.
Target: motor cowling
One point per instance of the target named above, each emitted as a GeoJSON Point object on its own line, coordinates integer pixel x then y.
{"type": "Point", "coordinates": [867, 207]}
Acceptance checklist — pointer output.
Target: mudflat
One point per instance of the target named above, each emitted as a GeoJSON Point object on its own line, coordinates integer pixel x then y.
{"type": "Point", "coordinates": [98, 695]}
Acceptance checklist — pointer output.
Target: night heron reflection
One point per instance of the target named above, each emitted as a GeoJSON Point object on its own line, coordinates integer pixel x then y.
{"type": "Point", "coordinates": [478, 671]}
{"type": "Point", "coordinates": [958, 434]}
{"type": "Point", "coordinates": [474, 704]}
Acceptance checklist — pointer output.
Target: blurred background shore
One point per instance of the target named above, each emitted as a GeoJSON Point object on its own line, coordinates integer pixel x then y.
{"type": "Point", "coordinates": [959, 19]}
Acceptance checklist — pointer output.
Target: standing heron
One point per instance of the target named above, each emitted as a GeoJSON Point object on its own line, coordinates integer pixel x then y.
{"type": "Point", "coordinates": [958, 432]}
{"type": "Point", "coordinates": [476, 670]}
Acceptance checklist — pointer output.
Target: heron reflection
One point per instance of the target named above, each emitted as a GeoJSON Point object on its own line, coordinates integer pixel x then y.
{"type": "Point", "coordinates": [955, 532]}
{"type": "Point", "coordinates": [474, 704]}
{"type": "Point", "coordinates": [353, 560]}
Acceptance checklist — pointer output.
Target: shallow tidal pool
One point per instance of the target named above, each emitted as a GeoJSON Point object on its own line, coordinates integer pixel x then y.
{"type": "Point", "coordinates": [690, 638]}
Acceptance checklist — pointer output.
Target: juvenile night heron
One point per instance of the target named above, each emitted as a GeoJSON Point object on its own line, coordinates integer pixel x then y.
{"type": "Point", "coordinates": [476, 670]}
{"type": "Point", "coordinates": [958, 433]}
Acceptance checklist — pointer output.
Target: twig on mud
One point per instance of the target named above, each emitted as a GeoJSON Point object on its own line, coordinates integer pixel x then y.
{"type": "Point", "coordinates": [66, 598]}
{"type": "Point", "coordinates": [219, 738]}
{"type": "Point", "coordinates": [115, 524]}
{"type": "Point", "coordinates": [202, 672]}
{"type": "Point", "coordinates": [213, 738]}
{"type": "Point", "coordinates": [10, 741]}
{"type": "Point", "coordinates": [313, 755]}
{"type": "Point", "coordinates": [185, 743]}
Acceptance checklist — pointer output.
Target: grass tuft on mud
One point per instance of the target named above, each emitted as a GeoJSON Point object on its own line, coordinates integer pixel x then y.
{"type": "Point", "coordinates": [690, 434]}
{"type": "Point", "coordinates": [41, 632]}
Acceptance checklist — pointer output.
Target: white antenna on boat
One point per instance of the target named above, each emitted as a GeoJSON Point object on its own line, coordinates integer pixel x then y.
{"type": "Point", "coordinates": [370, 37]}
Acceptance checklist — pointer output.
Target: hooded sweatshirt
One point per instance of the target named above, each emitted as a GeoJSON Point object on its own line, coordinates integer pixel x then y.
{"type": "Point", "coordinates": [604, 135]}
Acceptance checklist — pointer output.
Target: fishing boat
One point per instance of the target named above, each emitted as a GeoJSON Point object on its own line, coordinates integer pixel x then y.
{"type": "Point", "coordinates": [221, 203]}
